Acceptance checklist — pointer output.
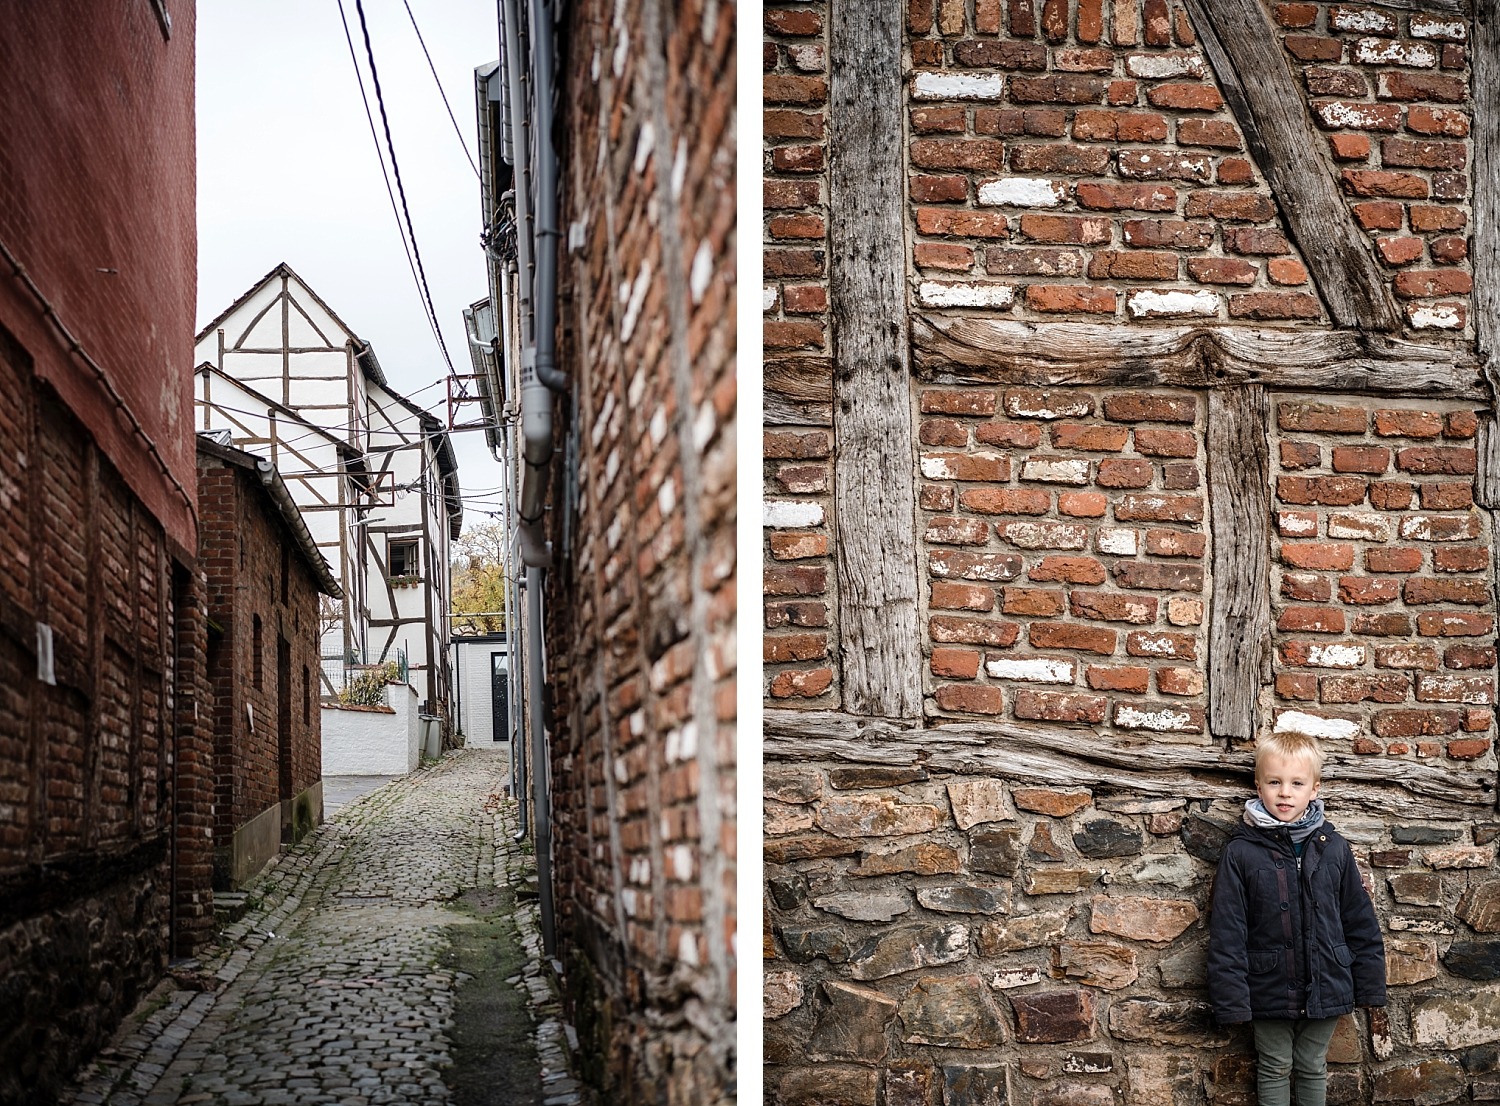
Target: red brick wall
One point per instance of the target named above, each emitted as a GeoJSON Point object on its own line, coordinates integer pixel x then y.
{"type": "Point", "coordinates": [800, 637]}
{"type": "Point", "coordinates": [1385, 612]}
{"type": "Point", "coordinates": [86, 799]}
{"type": "Point", "coordinates": [1064, 545]}
{"type": "Point", "coordinates": [97, 204]}
{"type": "Point", "coordinates": [1079, 160]}
{"type": "Point", "coordinates": [242, 539]}
{"type": "Point", "coordinates": [640, 607]}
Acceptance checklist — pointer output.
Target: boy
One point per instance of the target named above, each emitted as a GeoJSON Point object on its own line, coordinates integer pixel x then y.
{"type": "Point", "coordinates": [1293, 940]}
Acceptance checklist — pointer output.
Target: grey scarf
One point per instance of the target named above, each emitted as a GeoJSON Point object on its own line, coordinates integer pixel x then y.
{"type": "Point", "coordinates": [1258, 816]}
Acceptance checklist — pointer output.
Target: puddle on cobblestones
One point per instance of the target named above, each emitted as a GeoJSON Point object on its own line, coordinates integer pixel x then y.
{"type": "Point", "coordinates": [494, 1060]}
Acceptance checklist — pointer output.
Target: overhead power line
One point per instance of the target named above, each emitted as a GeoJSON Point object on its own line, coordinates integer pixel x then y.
{"type": "Point", "coordinates": [380, 156]}
{"type": "Point", "coordinates": [415, 253]}
{"type": "Point", "coordinates": [456, 128]}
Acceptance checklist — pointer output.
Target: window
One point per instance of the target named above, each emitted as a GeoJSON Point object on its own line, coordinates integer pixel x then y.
{"type": "Point", "coordinates": [403, 557]}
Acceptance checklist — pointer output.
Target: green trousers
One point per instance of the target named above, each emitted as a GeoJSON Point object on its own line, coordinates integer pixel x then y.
{"type": "Point", "coordinates": [1292, 1055]}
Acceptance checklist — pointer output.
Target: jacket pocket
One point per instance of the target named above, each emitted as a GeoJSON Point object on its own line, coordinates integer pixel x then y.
{"type": "Point", "coordinates": [1263, 962]}
{"type": "Point", "coordinates": [1342, 954]}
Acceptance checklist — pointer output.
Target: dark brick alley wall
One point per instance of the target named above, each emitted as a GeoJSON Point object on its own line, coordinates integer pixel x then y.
{"type": "Point", "coordinates": [260, 592]}
{"type": "Point", "coordinates": [641, 609]}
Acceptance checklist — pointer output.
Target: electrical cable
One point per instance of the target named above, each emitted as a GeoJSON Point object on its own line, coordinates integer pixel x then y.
{"type": "Point", "coordinates": [359, 7]}
{"type": "Point", "coordinates": [380, 156]}
{"type": "Point", "coordinates": [456, 129]}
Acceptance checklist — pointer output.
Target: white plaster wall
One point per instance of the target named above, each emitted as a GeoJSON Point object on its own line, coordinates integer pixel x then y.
{"type": "Point", "coordinates": [471, 671]}
{"type": "Point", "coordinates": [373, 743]}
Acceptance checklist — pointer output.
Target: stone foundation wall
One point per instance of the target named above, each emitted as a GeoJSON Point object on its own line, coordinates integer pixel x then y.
{"type": "Point", "coordinates": [963, 940]}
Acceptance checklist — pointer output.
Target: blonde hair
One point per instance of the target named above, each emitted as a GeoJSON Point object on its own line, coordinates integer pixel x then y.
{"type": "Point", "coordinates": [1291, 746]}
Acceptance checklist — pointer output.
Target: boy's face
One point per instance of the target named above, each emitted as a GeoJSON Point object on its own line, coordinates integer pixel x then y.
{"type": "Point", "coordinates": [1286, 785]}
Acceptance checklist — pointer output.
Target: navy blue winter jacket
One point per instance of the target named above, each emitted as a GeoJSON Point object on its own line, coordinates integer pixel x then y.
{"type": "Point", "coordinates": [1285, 943]}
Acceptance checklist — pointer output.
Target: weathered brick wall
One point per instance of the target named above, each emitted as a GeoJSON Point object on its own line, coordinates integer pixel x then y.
{"type": "Point", "coordinates": [1385, 606]}
{"type": "Point", "coordinates": [97, 527]}
{"type": "Point", "coordinates": [193, 794]}
{"type": "Point", "coordinates": [800, 634]}
{"type": "Point", "coordinates": [1005, 899]}
{"type": "Point", "coordinates": [1064, 543]}
{"type": "Point", "coordinates": [1078, 160]}
{"type": "Point", "coordinates": [246, 552]}
{"type": "Point", "coordinates": [86, 805]}
{"type": "Point", "coordinates": [640, 609]}
{"type": "Point", "coordinates": [97, 204]}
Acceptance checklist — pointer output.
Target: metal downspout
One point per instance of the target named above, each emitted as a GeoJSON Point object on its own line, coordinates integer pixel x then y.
{"type": "Point", "coordinates": [544, 334]}
{"type": "Point", "coordinates": [540, 767]}
{"type": "Point", "coordinates": [539, 20]}
{"type": "Point", "coordinates": [538, 314]}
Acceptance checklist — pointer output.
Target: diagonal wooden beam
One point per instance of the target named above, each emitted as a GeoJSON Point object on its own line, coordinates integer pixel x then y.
{"type": "Point", "coordinates": [1245, 51]}
{"type": "Point", "coordinates": [874, 485]}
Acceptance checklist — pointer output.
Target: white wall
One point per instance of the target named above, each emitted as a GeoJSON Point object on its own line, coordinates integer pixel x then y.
{"type": "Point", "coordinates": [373, 743]}
{"type": "Point", "coordinates": [471, 672]}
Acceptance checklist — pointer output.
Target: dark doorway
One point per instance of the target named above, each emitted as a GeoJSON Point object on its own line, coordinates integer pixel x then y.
{"type": "Point", "coordinates": [499, 699]}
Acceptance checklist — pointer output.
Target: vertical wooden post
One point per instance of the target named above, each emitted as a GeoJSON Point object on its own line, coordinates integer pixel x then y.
{"type": "Point", "coordinates": [1484, 250]}
{"type": "Point", "coordinates": [1239, 516]}
{"type": "Point", "coordinates": [874, 487]}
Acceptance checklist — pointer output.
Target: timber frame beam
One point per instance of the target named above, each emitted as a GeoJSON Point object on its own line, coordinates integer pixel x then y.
{"type": "Point", "coordinates": [874, 482]}
{"type": "Point", "coordinates": [1239, 635]}
{"type": "Point", "coordinates": [1247, 57]}
{"type": "Point", "coordinates": [954, 349]}
{"type": "Point", "coordinates": [1139, 764]}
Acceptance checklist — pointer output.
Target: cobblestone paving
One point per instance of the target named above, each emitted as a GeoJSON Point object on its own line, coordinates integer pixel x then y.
{"type": "Point", "coordinates": [331, 988]}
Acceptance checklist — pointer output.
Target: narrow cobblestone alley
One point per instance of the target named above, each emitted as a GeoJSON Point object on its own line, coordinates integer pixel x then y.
{"type": "Point", "coordinates": [383, 960]}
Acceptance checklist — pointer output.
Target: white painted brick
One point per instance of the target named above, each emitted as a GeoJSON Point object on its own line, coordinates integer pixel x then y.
{"type": "Point", "coordinates": [1385, 51]}
{"type": "Point", "coordinates": [1147, 303]}
{"type": "Point", "coordinates": [1050, 471]}
{"type": "Point", "coordinates": [1296, 721]}
{"type": "Point", "coordinates": [1360, 527]}
{"type": "Point", "coordinates": [1121, 543]}
{"type": "Point", "coordinates": [956, 86]}
{"type": "Point", "coordinates": [1162, 721]}
{"type": "Point", "coordinates": [1158, 67]}
{"type": "Point", "coordinates": [1337, 656]}
{"type": "Point", "coordinates": [792, 514]}
{"type": "Point", "coordinates": [939, 293]}
{"type": "Point", "coordinates": [1023, 192]}
{"type": "Point", "coordinates": [1435, 26]}
{"type": "Point", "coordinates": [1435, 316]}
{"type": "Point", "coordinates": [1037, 670]}
{"type": "Point", "coordinates": [1370, 22]}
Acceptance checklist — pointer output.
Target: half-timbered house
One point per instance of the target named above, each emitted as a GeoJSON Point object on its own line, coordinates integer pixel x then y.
{"type": "Point", "coordinates": [373, 474]}
{"type": "Point", "coordinates": [1130, 391]}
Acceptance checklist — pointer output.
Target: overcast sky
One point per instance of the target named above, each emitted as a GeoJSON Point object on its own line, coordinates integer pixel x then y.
{"type": "Point", "coordinates": [287, 171]}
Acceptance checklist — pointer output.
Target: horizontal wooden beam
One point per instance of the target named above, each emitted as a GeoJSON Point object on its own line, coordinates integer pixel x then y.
{"type": "Point", "coordinates": [971, 349]}
{"type": "Point", "coordinates": [1441, 7]}
{"type": "Point", "coordinates": [798, 391]}
{"type": "Point", "coordinates": [1086, 757]}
